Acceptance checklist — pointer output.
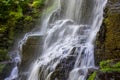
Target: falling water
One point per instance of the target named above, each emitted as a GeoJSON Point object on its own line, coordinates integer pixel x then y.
{"type": "Point", "coordinates": [68, 45]}
{"type": "Point", "coordinates": [69, 28]}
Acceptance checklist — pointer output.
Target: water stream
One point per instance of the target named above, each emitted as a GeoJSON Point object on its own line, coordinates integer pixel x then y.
{"type": "Point", "coordinates": [69, 28]}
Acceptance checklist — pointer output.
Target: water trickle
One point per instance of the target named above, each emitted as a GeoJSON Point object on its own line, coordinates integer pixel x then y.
{"type": "Point", "coordinates": [69, 31]}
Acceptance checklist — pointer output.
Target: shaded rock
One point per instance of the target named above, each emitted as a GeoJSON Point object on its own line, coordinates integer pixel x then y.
{"type": "Point", "coordinates": [64, 67]}
{"type": "Point", "coordinates": [6, 70]}
{"type": "Point", "coordinates": [108, 39]}
{"type": "Point", "coordinates": [31, 51]}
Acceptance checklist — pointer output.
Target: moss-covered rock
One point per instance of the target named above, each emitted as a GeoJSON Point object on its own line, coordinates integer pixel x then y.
{"type": "Point", "coordinates": [108, 40]}
{"type": "Point", "coordinates": [107, 51]}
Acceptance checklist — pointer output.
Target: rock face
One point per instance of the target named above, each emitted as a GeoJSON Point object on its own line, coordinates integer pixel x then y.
{"type": "Point", "coordinates": [30, 51]}
{"type": "Point", "coordinates": [108, 39]}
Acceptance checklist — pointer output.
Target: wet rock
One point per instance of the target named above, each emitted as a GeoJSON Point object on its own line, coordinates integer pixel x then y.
{"type": "Point", "coordinates": [108, 39]}
{"type": "Point", "coordinates": [64, 67]}
{"type": "Point", "coordinates": [31, 51]}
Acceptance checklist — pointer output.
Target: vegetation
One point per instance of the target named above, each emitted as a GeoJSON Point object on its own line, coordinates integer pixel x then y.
{"type": "Point", "coordinates": [110, 66]}
{"type": "Point", "coordinates": [92, 76]}
{"type": "Point", "coordinates": [16, 16]}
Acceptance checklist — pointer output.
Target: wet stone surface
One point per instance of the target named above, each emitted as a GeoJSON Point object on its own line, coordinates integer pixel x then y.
{"type": "Point", "coordinates": [64, 67]}
{"type": "Point", "coordinates": [31, 51]}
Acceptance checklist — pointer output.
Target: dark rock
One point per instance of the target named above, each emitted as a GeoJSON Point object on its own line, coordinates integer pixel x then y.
{"type": "Point", "coordinates": [29, 54]}
{"type": "Point", "coordinates": [108, 39]}
{"type": "Point", "coordinates": [6, 70]}
{"type": "Point", "coordinates": [64, 67]}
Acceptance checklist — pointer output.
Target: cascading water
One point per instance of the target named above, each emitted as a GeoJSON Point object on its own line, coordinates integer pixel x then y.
{"type": "Point", "coordinates": [69, 41]}
{"type": "Point", "coordinates": [69, 30]}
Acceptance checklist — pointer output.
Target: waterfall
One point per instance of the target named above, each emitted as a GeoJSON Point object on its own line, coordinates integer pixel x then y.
{"type": "Point", "coordinates": [69, 28]}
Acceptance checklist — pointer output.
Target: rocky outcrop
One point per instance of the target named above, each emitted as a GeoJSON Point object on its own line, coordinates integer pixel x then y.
{"type": "Point", "coordinates": [108, 40]}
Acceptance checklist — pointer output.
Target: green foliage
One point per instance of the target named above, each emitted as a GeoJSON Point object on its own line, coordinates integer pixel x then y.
{"type": "Point", "coordinates": [16, 17]}
{"type": "Point", "coordinates": [37, 3]}
{"type": "Point", "coordinates": [92, 76]}
{"type": "Point", "coordinates": [110, 66]}
{"type": "Point", "coordinates": [2, 28]}
{"type": "Point", "coordinates": [117, 65]}
{"type": "Point", "coordinates": [28, 18]}
{"type": "Point", "coordinates": [112, 38]}
{"type": "Point", "coordinates": [105, 64]}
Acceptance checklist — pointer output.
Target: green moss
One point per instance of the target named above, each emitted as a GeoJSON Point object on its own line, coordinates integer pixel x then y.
{"type": "Point", "coordinates": [112, 40]}
{"type": "Point", "coordinates": [92, 76]}
{"type": "Point", "coordinates": [110, 70]}
{"type": "Point", "coordinates": [109, 66]}
{"type": "Point", "coordinates": [109, 37]}
{"type": "Point", "coordinates": [117, 65]}
{"type": "Point", "coordinates": [105, 64]}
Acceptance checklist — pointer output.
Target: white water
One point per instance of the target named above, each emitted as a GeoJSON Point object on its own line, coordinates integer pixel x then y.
{"type": "Point", "coordinates": [70, 29]}
{"type": "Point", "coordinates": [73, 31]}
